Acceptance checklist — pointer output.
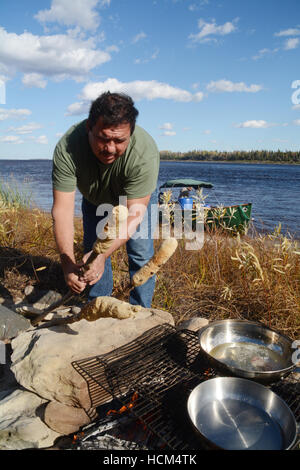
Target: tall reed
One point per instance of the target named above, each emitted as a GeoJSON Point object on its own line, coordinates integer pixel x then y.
{"type": "Point", "coordinates": [14, 195]}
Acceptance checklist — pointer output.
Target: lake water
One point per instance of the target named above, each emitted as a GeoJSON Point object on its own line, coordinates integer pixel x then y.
{"type": "Point", "coordinates": [274, 190]}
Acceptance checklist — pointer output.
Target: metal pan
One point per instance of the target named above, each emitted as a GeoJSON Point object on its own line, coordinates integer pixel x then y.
{"type": "Point", "coordinates": [247, 349]}
{"type": "Point", "coordinates": [239, 414]}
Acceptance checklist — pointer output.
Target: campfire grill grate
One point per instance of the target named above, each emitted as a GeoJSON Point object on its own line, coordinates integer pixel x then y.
{"type": "Point", "coordinates": [162, 367]}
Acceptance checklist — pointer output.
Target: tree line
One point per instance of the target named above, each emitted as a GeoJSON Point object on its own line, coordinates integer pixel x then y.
{"type": "Point", "coordinates": [239, 155]}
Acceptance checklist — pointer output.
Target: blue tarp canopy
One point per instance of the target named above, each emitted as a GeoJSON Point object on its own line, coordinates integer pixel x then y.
{"type": "Point", "coordinates": [186, 182]}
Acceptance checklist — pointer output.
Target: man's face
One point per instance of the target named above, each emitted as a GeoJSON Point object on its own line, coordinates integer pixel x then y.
{"type": "Point", "coordinates": [109, 143]}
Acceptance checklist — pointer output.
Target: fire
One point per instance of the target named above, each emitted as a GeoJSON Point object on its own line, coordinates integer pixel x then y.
{"type": "Point", "coordinates": [123, 409]}
{"type": "Point", "coordinates": [77, 436]}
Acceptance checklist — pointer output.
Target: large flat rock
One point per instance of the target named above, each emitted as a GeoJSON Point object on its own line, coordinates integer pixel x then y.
{"type": "Point", "coordinates": [41, 358]}
{"type": "Point", "coordinates": [11, 323]}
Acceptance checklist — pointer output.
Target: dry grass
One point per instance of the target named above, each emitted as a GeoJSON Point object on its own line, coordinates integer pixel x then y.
{"type": "Point", "coordinates": [252, 278]}
{"type": "Point", "coordinates": [28, 252]}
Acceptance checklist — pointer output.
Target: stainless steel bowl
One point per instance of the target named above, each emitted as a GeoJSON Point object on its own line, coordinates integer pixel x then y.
{"type": "Point", "coordinates": [239, 414]}
{"type": "Point", "coordinates": [247, 349]}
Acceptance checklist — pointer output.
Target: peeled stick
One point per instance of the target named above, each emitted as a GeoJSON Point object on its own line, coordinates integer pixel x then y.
{"type": "Point", "coordinates": [162, 255]}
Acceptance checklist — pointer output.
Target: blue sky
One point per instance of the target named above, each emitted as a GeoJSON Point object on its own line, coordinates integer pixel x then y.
{"type": "Point", "coordinates": [204, 74]}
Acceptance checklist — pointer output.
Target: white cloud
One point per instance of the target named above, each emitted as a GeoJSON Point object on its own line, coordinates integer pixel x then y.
{"type": "Point", "coordinates": [260, 124]}
{"type": "Point", "coordinates": [289, 32]}
{"type": "Point", "coordinates": [291, 43]}
{"type": "Point", "coordinates": [138, 90]}
{"type": "Point", "coordinates": [80, 107]}
{"type": "Point", "coordinates": [297, 122]}
{"type": "Point", "coordinates": [26, 129]}
{"type": "Point", "coordinates": [42, 139]}
{"type": "Point", "coordinates": [59, 56]}
{"type": "Point", "coordinates": [207, 30]}
{"type": "Point", "coordinates": [198, 96]}
{"type": "Point", "coordinates": [146, 60]}
{"type": "Point", "coordinates": [34, 80]}
{"type": "Point", "coordinates": [228, 86]}
{"type": "Point", "coordinates": [72, 12]}
{"type": "Point", "coordinates": [11, 139]}
{"type": "Point", "coordinates": [112, 48]}
{"type": "Point", "coordinates": [13, 113]}
{"type": "Point", "coordinates": [296, 106]}
{"type": "Point", "coordinates": [168, 129]}
{"type": "Point", "coordinates": [207, 132]}
{"type": "Point", "coordinates": [194, 6]}
{"type": "Point", "coordinates": [169, 133]}
{"type": "Point", "coordinates": [263, 52]}
{"type": "Point", "coordinates": [167, 126]}
{"type": "Point", "coordinates": [138, 37]}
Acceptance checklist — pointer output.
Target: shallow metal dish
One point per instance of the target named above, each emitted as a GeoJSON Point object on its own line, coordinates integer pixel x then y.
{"type": "Point", "coordinates": [239, 414]}
{"type": "Point", "coordinates": [247, 349]}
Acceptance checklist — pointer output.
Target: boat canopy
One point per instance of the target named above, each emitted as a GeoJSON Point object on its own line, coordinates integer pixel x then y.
{"type": "Point", "coordinates": [186, 182]}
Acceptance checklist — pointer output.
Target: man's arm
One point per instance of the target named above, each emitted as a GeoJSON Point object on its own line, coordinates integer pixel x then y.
{"type": "Point", "coordinates": [63, 226]}
{"type": "Point", "coordinates": [136, 212]}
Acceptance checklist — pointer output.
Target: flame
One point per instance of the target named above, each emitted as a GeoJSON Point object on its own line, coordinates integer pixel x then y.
{"type": "Point", "coordinates": [123, 409]}
{"type": "Point", "coordinates": [77, 436]}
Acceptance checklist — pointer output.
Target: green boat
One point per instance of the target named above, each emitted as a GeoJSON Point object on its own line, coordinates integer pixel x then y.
{"type": "Point", "coordinates": [233, 218]}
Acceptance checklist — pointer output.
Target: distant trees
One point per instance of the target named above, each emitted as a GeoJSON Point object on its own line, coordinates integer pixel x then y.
{"type": "Point", "coordinates": [239, 155]}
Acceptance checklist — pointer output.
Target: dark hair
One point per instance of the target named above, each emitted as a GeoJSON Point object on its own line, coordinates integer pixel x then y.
{"type": "Point", "coordinates": [114, 109]}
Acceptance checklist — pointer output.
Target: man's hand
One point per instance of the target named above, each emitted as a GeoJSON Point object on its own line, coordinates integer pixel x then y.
{"type": "Point", "coordinates": [71, 274]}
{"type": "Point", "coordinates": [95, 271]}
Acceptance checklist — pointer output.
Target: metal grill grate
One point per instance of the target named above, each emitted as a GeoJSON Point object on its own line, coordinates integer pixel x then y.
{"type": "Point", "coordinates": [162, 366]}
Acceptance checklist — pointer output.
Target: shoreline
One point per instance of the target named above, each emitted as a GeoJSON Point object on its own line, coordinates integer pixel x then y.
{"type": "Point", "coordinates": [253, 162]}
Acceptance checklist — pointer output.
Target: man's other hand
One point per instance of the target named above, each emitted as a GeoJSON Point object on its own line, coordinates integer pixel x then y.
{"type": "Point", "coordinates": [95, 271]}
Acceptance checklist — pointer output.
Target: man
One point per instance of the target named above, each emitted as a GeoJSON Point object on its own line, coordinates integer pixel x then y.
{"type": "Point", "coordinates": [184, 192]}
{"type": "Point", "coordinates": [105, 157]}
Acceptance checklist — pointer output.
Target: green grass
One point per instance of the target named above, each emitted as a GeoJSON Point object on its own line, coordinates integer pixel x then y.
{"type": "Point", "coordinates": [14, 195]}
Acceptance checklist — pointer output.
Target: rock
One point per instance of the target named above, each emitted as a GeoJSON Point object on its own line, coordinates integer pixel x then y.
{"type": "Point", "coordinates": [20, 427]}
{"type": "Point", "coordinates": [65, 419]}
{"type": "Point", "coordinates": [41, 358]}
{"type": "Point", "coordinates": [56, 314]}
{"type": "Point", "coordinates": [193, 324]}
{"type": "Point", "coordinates": [47, 299]}
{"type": "Point", "coordinates": [28, 290]}
{"type": "Point", "coordinates": [11, 323]}
{"type": "Point", "coordinates": [28, 311]}
{"type": "Point", "coordinates": [75, 310]}
{"type": "Point", "coordinates": [62, 310]}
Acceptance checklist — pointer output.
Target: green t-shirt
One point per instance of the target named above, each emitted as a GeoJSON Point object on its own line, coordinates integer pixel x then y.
{"type": "Point", "coordinates": [134, 174]}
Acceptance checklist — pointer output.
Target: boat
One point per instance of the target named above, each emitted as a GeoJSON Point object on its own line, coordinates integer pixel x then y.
{"type": "Point", "coordinates": [234, 218]}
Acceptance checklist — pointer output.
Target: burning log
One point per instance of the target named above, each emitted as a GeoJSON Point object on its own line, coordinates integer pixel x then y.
{"type": "Point", "coordinates": [124, 408]}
